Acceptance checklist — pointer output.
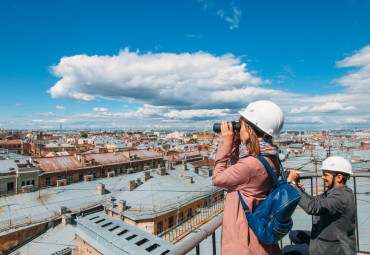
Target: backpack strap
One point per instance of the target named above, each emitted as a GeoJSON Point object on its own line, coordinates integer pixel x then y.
{"type": "Point", "coordinates": [269, 170]}
{"type": "Point", "coordinates": [244, 205]}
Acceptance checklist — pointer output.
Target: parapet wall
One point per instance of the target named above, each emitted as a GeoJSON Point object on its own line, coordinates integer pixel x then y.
{"type": "Point", "coordinates": [13, 239]}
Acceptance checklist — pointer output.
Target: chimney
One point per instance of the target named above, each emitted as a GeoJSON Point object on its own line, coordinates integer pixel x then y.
{"type": "Point", "coordinates": [101, 189]}
{"type": "Point", "coordinates": [205, 158]}
{"type": "Point", "coordinates": [62, 210]}
{"type": "Point", "coordinates": [161, 171]}
{"type": "Point", "coordinates": [66, 219]}
{"type": "Point", "coordinates": [146, 176]}
{"type": "Point", "coordinates": [185, 167]}
{"type": "Point", "coordinates": [196, 169]}
{"type": "Point", "coordinates": [169, 165]}
{"type": "Point", "coordinates": [189, 179]}
{"type": "Point", "coordinates": [138, 182]}
{"type": "Point", "coordinates": [122, 205]}
{"type": "Point", "coordinates": [131, 185]}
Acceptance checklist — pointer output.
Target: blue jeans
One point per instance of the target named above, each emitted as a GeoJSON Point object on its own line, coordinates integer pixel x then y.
{"type": "Point", "coordinates": [301, 241]}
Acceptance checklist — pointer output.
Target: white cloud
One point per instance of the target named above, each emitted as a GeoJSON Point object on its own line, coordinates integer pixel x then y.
{"type": "Point", "coordinates": [156, 79]}
{"type": "Point", "coordinates": [234, 18]}
{"type": "Point", "coordinates": [331, 107]}
{"type": "Point", "coordinates": [357, 81]}
{"type": "Point", "coordinates": [356, 120]}
{"type": "Point", "coordinates": [59, 107]}
{"type": "Point", "coordinates": [100, 109]}
{"type": "Point", "coordinates": [196, 114]}
{"type": "Point", "coordinates": [299, 109]}
{"type": "Point", "coordinates": [194, 90]}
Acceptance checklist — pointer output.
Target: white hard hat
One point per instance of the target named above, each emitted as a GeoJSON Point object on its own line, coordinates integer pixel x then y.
{"type": "Point", "coordinates": [266, 115]}
{"type": "Point", "coordinates": [337, 164]}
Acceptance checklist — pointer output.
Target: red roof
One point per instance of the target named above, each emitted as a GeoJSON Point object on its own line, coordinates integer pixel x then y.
{"type": "Point", "coordinates": [6, 142]}
{"type": "Point", "coordinates": [116, 157]}
{"type": "Point", "coordinates": [58, 163]}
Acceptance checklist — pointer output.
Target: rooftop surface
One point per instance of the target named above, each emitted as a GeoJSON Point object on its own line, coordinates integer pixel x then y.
{"type": "Point", "coordinates": [111, 236]}
{"type": "Point", "coordinates": [59, 238]}
{"type": "Point", "coordinates": [147, 200]}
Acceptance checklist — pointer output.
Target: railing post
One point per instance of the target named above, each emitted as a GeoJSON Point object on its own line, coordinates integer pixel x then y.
{"type": "Point", "coordinates": [197, 249]}
{"type": "Point", "coordinates": [356, 218]}
{"type": "Point", "coordinates": [214, 242]}
{"type": "Point", "coordinates": [311, 195]}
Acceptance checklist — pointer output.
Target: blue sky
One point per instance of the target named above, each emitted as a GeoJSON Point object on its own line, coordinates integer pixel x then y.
{"type": "Point", "coordinates": [182, 64]}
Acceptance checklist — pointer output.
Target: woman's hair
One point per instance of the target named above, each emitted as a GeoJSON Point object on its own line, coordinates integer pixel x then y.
{"type": "Point", "coordinates": [253, 144]}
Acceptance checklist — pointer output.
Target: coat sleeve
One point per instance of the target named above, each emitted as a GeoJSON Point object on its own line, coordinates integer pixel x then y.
{"type": "Point", "coordinates": [322, 205]}
{"type": "Point", "coordinates": [229, 177]}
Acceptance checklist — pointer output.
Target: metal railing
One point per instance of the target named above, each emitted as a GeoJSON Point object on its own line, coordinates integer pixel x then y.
{"type": "Point", "coordinates": [209, 228]}
{"type": "Point", "coordinates": [187, 226]}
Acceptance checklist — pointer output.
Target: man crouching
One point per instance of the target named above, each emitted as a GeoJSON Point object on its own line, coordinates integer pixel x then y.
{"type": "Point", "coordinates": [333, 229]}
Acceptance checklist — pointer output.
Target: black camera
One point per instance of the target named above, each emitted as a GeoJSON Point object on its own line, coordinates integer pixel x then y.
{"type": "Point", "coordinates": [217, 126]}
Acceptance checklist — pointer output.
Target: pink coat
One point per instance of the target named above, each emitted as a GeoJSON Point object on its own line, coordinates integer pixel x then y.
{"type": "Point", "coordinates": [249, 176]}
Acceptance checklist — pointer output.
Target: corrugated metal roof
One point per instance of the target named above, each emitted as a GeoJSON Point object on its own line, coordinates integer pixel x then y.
{"type": "Point", "coordinates": [149, 199]}
{"type": "Point", "coordinates": [111, 236]}
{"type": "Point", "coordinates": [6, 165]}
{"type": "Point", "coordinates": [107, 158]}
{"type": "Point", "coordinates": [54, 240]}
{"type": "Point", "coordinates": [58, 163]}
{"type": "Point", "coordinates": [116, 157]}
{"type": "Point", "coordinates": [10, 142]}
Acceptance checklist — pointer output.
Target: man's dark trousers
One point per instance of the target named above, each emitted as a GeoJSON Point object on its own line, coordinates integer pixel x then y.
{"type": "Point", "coordinates": [301, 241]}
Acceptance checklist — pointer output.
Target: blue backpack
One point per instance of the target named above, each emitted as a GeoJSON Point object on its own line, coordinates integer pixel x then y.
{"type": "Point", "coordinates": [271, 220]}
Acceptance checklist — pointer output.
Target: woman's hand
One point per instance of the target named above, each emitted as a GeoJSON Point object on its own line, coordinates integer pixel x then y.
{"type": "Point", "coordinates": [227, 133]}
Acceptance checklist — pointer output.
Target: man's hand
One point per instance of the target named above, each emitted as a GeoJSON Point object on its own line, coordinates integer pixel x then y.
{"type": "Point", "coordinates": [293, 176]}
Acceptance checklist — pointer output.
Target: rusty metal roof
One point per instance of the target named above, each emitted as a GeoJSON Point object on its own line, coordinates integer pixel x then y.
{"type": "Point", "coordinates": [107, 158]}
{"type": "Point", "coordinates": [6, 142]}
{"type": "Point", "coordinates": [116, 157]}
{"type": "Point", "coordinates": [58, 163]}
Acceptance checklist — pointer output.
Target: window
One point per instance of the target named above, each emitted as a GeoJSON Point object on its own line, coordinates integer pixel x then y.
{"type": "Point", "coordinates": [33, 182]}
{"type": "Point", "coordinates": [159, 227]}
{"type": "Point", "coordinates": [70, 178]}
{"type": "Point", "coordinates": [102, 172]}
{"type": "Point", "coordinates": [170, 222]}
{"type": "Point", "coordinates": [59, 177]}
{"type": "Point", "coordinates": [28, 183]}
{"type": "Point", "coordinates": [115, 170]}
{"type": "Point", "coordinates": [94, 174]}
{"type": "Point", "coordinates": [80, 176]}
{"type": "Point", "coordinates": [10, 186]}
{"type": "Point", "coordinates": [23, 183]}
{"type": "Point", "coordinates": [121, 169]}
{"type": "Point", "coordinates": [181, 217]}
{"type": "Point", "coordinates": [47, 181]}
{"type": "Point", "coordinates": [190, 212]}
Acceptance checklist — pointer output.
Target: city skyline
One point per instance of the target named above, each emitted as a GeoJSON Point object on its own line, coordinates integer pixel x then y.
{"type": "Point", "coordinates": [183, 65]}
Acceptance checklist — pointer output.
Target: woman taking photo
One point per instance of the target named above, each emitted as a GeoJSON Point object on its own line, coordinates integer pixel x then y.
{"type": "Point", "coordinates": [259, 122]}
